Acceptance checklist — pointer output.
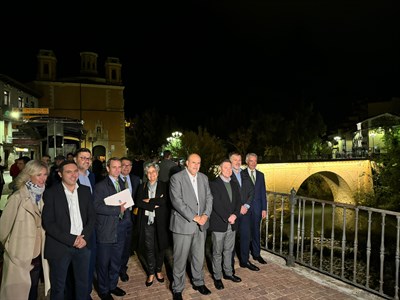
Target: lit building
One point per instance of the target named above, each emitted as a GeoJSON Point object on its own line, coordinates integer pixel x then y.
{"type": "Point", "coordinates": [97, 101]}
{"type": "Point", "coordinates": [15, 97]}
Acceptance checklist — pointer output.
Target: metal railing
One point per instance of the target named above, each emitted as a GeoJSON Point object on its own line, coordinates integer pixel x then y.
{"type": "Point", "coordinates": [355, 244]}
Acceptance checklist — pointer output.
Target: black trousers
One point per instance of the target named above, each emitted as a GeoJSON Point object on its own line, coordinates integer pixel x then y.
{"type": "Point", "coordinates": [35, 276]}
{"type": "Point", "coordinates": [154, 256]}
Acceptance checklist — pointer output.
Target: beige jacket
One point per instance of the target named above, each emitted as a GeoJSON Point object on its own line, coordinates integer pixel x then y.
{"type": "Point", "coordinates": [21, 237]}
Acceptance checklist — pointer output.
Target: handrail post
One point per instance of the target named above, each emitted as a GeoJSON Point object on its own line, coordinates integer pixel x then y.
{"type": "Point", "coordinates": [290, 259]}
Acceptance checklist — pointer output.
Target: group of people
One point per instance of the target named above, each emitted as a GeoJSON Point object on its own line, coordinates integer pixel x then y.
{"type": "Point", "coordinates": [234, 201]}
{"type": "Point", "coordinates": [67, 232]}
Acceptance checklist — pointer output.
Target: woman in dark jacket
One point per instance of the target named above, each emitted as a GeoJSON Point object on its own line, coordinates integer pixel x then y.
{"type": "Point", "coordinates": [153, 221]}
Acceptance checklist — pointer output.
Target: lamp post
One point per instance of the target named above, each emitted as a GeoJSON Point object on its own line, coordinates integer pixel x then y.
{"type": "Point", "coordinates": [174, 141]}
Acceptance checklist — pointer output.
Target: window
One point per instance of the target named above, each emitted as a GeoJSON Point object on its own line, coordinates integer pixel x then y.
{"type": "Point", "coordinates": [6, 98]}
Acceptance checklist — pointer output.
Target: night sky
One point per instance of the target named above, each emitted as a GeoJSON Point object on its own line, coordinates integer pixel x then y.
{"type": "Point", "coordinates": [210, 54]}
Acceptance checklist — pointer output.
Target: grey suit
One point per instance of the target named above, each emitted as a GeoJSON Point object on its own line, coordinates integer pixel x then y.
{"type": "Point", "coordinates": [188, 236]}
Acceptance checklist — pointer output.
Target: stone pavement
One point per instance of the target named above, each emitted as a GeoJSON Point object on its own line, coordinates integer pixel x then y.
{"type": "Point", "coordinates": [274, 281]}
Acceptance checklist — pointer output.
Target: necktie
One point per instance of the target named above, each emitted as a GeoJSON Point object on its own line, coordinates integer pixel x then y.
{"type": "Point", "coordinates": [127, 186]}
{"type": "Point", "coordinates": [117, 186]}
{"type": "Point", "coordinates": [252, 177]}
{"type": "Point", "coordinates": [121, 215]}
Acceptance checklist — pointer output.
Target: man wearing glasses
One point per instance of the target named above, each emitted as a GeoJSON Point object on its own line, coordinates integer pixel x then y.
{"type": "Point", "coordinates": [83, 159]}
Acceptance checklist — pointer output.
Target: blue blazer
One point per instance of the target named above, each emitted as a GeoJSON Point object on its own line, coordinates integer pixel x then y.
{"type": "Point", "coordinates": [260, 192]}
{"type": "Point", "coordinates": [107, 218]}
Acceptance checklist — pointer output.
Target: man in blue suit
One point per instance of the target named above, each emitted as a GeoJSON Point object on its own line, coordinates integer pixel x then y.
{"type": "Point", "coordinates": [132, 183]}
{"type": "Point", "coordinates": [192, 202]}
{"type": "Point", "coordinates": [242, 178]}
{"type": "Point", "coordinates": [258, 208]}
{"type": "Point", "coordinates": [83, 159]}
{"type": "Point", "coordinates": [111, 225]}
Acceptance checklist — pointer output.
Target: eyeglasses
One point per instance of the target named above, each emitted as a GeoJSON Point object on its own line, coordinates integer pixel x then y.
{"type": "Point", "coordinates": [85, 158]}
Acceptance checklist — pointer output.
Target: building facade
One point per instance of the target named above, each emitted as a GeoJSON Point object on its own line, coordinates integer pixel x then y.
{"type": "Point", "coordinates": [97, 101]}
{"type": "Point", "coordinates": [16, 97]}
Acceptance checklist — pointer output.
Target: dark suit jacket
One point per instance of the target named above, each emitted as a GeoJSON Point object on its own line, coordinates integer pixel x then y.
{"type": "Point", "coordinates": [163, 212]}
{"type": "Point", "coordinates": [107, 218]}
{"type": "Point", "coordinates": [246, 189]}
{"type": "Point", "coordinates": [223, 208]}
{"type": "Point", "coordinates": [260, 193]}
{"type": "Point", "coordinates": [56, 219]}
{"type": "Point", "coordinates": [135, 182]}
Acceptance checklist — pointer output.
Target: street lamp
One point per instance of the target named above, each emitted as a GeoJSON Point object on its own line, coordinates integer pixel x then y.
{"type": "Point", "coordinates": [176, 134]}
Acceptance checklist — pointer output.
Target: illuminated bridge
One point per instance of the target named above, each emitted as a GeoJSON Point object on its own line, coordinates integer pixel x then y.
{"type": "Point", "coordinates": [346, 178]}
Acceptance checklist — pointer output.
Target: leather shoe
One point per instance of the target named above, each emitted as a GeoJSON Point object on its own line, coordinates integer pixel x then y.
{"type": "Point", "coordinates": [118, 292]}
{"type": "Point", "coordinates": [149, 283]}
{"type": "Point", "coordinates": [218, 284]}
{"type": "Point", "coordinates": [234, 278]}
{"type": "Point", "coordinates": [260, 260]}
{"type": "Point", "coordinates": [106, 296]}
{"type": "Point", "coordinates": [202, 289]}
{"type": "Point", "coordinates": [124, 277]}
{"type": "Point", "coordinates": [177, 296]}
{"type": "Point", "coordinates": [250, 266]}
{"type": "Point", "coordinates": [159, 279]}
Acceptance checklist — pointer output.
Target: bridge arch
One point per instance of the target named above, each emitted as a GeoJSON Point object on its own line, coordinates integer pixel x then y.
{"type": "Point", "coordinates": [346, 178]}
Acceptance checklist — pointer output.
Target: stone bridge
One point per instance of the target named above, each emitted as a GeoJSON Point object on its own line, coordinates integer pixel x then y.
{"type": "Point", "coordinates": [346, 178]}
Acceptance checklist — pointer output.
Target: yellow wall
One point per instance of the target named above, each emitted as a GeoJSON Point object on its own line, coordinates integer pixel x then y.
{"type": "Point", "coordinates": [92, 103]}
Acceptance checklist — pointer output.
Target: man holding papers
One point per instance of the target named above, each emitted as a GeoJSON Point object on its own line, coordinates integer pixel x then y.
{"type": "Point", "coordinates": [111, 225]}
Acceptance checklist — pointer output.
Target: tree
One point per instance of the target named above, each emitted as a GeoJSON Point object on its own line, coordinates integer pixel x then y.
{"type": "Point", "coordinates": [210, 148]}
{"type": "Point", "coordinates": [241, 140]}
{"type": "Point", "coordinates": [148, 132]}
{"type": "Point", "coordinates": [387, 175]}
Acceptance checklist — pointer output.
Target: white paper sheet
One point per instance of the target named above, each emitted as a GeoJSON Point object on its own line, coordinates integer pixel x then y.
{"type": "Point", "coordinates": [121, 197]}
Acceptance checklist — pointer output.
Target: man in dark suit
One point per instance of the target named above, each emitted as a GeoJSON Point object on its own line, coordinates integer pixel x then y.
{"type": "Point", "coordinates": [83, 159]}
{"type": "Point", "coordinates": [247, 197]}
{"type": "Point", "coordinates": [259, 206]}
{"type": "Point", "coordinates": [111, 224]}
{"type": "Point", "coordinates": [191, 200]}
{"type": "Point", "coordinates": [223, 225]}
{"type": "Point", "coordinates": [132, 183]}
{"type": "Point", "coordinates": [68, 218]}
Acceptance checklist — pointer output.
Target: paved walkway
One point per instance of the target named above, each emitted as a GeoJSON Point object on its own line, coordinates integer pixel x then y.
{"type": "Point", "coordinates": [274, 281]}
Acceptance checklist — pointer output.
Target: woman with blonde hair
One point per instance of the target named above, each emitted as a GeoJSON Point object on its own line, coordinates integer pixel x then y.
{"type": "Point", "coordinates": [21, 234]}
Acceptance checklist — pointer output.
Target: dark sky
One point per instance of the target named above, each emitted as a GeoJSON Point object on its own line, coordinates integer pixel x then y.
{"type": "Point", "coordinates": [210, 54]}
